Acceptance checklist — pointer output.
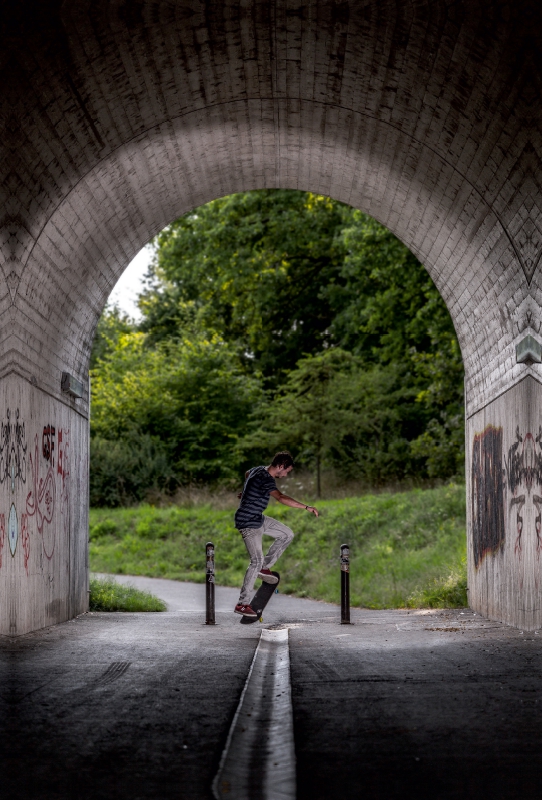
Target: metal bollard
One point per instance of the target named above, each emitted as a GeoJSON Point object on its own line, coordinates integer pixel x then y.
{"type": "Point", "coordinates": [210, 584]}
{"type": "Point", "coordinates": [345, 585]}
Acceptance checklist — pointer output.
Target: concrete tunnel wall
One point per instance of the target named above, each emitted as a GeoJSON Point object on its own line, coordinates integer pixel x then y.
{"type": "Point", "coordinates": [121, 116]}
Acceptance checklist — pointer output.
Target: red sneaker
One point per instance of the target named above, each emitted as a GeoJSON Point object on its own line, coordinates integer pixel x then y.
{"type": "Point", "coordinates": [267, 576]}
{"type": "Point", "coordinates": [246, 611]}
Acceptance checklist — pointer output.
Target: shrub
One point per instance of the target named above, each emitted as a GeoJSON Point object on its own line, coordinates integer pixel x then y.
{"type": "Point", "coordinates": [123, 471]}
{"type": "Point", "coordinates": [104, 528]}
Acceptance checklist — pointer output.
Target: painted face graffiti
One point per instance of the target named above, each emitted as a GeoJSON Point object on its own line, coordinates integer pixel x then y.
{"type": "Point", "coordinates": [524, 475]}
{"type": "Point", "coordinates": [13, 449]}
{"type": "Point", "coordinates": [13, 529]}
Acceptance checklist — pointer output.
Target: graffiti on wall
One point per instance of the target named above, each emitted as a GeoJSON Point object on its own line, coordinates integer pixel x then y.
{"type": "Point", "coordinates": [40, 501]}
{"type": "Point", "coordinates": [44, 474]}
{"type": "Point", "coordinates": [524, 479]}
{"type": "Point", "coordinates": [487, 494]}
{"type": "Point", "coordinates": [13, 529]}
{"type": "Point", "coordinates": [519, 473]}
{"type": "Point", "coordinates": [25, 540]}
{"type": "Point", "coordinates": [49, 477]}
{"type": "Point", "coordinates": [13, 449]}
{"type": "Point", "coordinates": [63, 476]}
{"type": "Point", "coordinates": [2, 535]}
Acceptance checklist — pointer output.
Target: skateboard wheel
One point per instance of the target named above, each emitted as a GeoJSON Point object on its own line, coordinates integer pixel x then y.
{"type": "Point", "coordinates": [261, 619]}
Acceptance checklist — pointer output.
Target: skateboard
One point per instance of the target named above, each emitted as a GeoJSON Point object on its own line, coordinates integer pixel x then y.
{"type": "Point", "coordinates": [260, 600]}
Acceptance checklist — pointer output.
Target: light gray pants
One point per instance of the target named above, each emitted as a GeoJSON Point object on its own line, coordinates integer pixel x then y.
{"type": "Point", "coordinates": [252, 538]}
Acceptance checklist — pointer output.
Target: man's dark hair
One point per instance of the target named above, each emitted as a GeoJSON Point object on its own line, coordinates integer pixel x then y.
{"type": "Point", "coordinates": [283, 459]}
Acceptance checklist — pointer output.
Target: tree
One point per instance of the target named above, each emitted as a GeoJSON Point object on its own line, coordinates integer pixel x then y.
{"type": "Point", "coordinates": [112, 324]}
{"type": "Point", "coordinates": [187, 400]}
{"type": "Point", "coordinates": [385, 304]}
{"type": "Point", "coordinates": [388, 311]}
{"type": "Point", "coordinates": [332, 409]}
{"type": "Point", "coordinates": [278, 318]}
{"type": "Point", "coordinates": [305, 412]}
{"type": "Point", "coordinates": [251, 268]}
{"type": "Point", "coordinates": [281, 274]}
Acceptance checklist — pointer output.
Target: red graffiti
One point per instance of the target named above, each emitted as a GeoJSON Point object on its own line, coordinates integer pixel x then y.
{"type": "Point", "coordinates": [2, 535]}
{"type": "Point", "coordinates": [40, 501]}
{"type": "Point", "coordinates": [63, 468]}
{"type": "Point", "coordinates": [49, 490]}
{"type": "Point", "coordinates": [25, 539]}
{"type": "Point", "coordinates": [60, 464]}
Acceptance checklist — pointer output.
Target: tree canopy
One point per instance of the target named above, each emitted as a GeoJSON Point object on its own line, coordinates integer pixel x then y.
{"type": "Point", "coordinates": [280, 318]}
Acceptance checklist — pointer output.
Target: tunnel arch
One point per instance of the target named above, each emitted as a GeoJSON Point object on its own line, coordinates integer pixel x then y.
{"type": "Point", "coordinates": [120, 115]}
{"type": "Point", "coordinates": [115, 208]}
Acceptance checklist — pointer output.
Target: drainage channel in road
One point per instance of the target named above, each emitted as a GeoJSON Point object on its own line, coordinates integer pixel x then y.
{"type": "Point", "coordinates": [259, 757]}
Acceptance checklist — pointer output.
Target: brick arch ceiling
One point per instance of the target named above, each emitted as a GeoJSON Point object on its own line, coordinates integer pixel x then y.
{"type": "Point", "coordinates": [124, 115]}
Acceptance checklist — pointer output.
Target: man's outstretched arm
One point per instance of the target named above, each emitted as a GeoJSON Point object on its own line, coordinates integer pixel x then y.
{"type": "Point", "coordinates": [289, 501]}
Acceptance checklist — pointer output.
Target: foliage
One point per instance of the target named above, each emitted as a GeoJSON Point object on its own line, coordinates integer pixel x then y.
{"type": "Point", "coordinates": [112, 324]}
{"type": "Point", "coordinates": [252, 267]}
{"type": "Point", "coordinates": [399, 543]}
{"type": "Point", "coordinates": [125, 469]}
{"type": "Point", "coordinates": [307, 413]}
{"type": "Point", "coordinates": [108, 595]}
{"type": "Point", "coordinates": [444, 592]}
{"type": "Point", "coordinates": [442, 443]}
{"type": "Point", "coordinates": [175, 410]}
{"type": "Point", "coordinates": [271, 319]}
{"type": "Point", "coordinates": [386, 307]}
{"type": "Point", "coordinates": [333, 410]}
{"type": "Point", "coordinates": [389, 311]}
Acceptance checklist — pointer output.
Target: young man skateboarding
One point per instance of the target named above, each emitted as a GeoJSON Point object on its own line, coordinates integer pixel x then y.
{"type": "Point", "coordinates": [250, 522]}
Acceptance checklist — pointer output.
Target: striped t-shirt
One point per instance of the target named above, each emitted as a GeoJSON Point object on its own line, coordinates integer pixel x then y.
{"type": "Point", "coordinates": [255, 498]}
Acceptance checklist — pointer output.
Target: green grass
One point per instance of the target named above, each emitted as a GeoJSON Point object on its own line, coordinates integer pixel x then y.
{"type": "Point", "coordinates": [407, 548]}
{"type": "Point", "coordinates": [108, 595]}
{"type": "Point", "coordinates": [447, 591]}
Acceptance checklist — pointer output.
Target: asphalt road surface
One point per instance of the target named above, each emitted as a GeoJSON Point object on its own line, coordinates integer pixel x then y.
{"type": "Point", "coordinates": [401, 704]}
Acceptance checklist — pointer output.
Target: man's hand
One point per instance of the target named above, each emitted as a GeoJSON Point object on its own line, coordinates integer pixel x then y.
{"type": "Point", "coordinates": [239, 496]}
{"type": "Point", "coordinates": [289, 501]}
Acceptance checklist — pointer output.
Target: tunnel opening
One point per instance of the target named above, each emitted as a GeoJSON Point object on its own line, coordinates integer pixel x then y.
{"type": "Point", "coordinates": [270, 320]}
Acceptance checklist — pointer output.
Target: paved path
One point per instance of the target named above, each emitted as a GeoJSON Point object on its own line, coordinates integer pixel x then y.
{"type": "Point", "coordinates": [189, 598]}
{"type": "Point", "coordinates": [439, 705]}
